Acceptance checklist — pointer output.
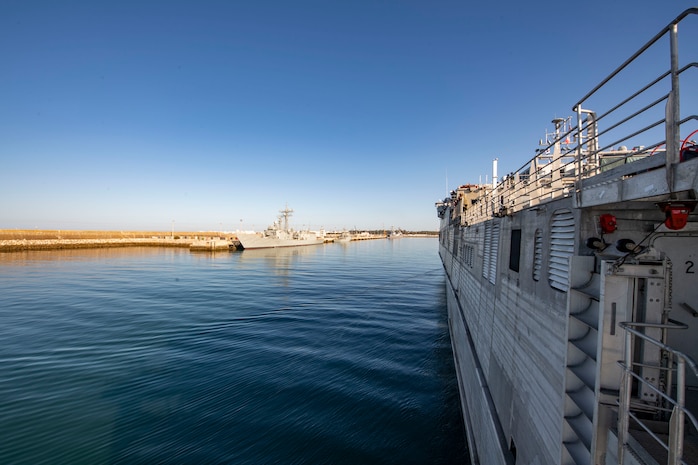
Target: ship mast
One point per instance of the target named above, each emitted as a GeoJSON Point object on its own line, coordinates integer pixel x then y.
{"type": "Point", "coordinates": [285, 214]}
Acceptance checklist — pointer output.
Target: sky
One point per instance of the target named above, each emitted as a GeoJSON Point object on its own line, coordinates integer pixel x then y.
{"type": "Point", "coordinates": [215, 115]}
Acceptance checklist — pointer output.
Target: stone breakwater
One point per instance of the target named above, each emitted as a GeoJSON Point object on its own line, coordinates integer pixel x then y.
{"type": "Point", "coordinates": [12, 240]}
{"type": "Point", "coordinates": [14, 245]}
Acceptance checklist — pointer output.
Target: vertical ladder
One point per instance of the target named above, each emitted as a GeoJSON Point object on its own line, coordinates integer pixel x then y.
{"type": "Point", "coordinates": [645, 356]}
{"type": "Point", "coordinates": [648, 284]}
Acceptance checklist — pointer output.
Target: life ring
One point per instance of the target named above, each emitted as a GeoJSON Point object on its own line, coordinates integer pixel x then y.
{"type": "Point", "coordinates": [683, 143]}
{"type": "Point", "coordinates": [688, 152]}
{"type": "Point", "coordinates": [687, 139]}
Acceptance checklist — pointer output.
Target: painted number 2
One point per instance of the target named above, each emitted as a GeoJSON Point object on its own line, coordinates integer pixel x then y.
{"type": "Point", "coordinates": [689, 267]}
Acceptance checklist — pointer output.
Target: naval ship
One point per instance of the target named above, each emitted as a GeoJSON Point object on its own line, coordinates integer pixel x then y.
{"type": "Point", "coordinates": [279, 234]}
{"type": "Point", "coordinates": [572, 281]}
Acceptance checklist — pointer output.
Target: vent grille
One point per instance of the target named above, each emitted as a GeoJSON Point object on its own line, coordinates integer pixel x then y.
{"type": "Point", "coordinates": [487, 251]}
{"type": "Point", "coordinates": [491, 249]}
{"type": "Point", "coordinates": [537, 255]}
{"type": "Point", "coordinates": [561, 248]}
{"type": "Point", "coordinates": [495, 252]}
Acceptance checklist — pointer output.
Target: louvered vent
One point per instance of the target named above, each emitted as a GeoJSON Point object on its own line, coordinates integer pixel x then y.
{"type": "Point", "coordinates": [495, 252]}
{"type": "Point", "coordinates": [537, 254]}
{"type": "Point", "coordinates": [490, 250]}
{"type": "Point", "coordinates": [561, 248]}
{"type": "Point", "coordinates": [487, 251]}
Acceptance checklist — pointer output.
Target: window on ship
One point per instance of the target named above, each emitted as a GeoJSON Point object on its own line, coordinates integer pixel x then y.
{"type": "Point", "coordinates": [515, 250]}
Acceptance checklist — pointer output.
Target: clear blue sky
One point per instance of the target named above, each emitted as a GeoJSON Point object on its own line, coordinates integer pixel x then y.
{"type": "Point", "coordinates": [216, 114]}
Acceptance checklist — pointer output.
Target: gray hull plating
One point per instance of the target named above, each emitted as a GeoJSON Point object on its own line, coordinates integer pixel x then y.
{"type": "Point", "coordinates": [258, 241]}
{"type": "Point", "coordinates": [571, 285]}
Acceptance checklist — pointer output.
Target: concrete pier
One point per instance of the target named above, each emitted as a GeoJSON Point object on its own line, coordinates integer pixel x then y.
{"type": "Point", "coordinates": [12, 240]}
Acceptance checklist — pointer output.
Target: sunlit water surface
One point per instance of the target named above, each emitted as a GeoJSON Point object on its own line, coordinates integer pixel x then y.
{"type": "Point", "coordinates": [334, 354]}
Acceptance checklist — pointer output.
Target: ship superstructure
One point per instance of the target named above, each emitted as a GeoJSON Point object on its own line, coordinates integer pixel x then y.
{"type": "Point", "coordinates": [279, 234]}
{"type": "Point", "coordinates": [572, 282]}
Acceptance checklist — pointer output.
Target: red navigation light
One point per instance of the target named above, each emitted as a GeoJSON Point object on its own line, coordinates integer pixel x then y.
{"type": "Point", "coordinates": [676, 216]}
{"type": "Point", "coordinates": [607, 222]}
{"type": "Point", "coordinates": [677, 213]}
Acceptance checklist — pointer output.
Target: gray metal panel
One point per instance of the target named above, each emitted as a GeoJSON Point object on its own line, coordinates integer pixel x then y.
{"type": "Point", "coordinates": [477, 404]}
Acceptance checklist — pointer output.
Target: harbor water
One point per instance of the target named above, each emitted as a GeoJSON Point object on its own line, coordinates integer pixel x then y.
{"type": "Point", "coordinates": [333, 354]}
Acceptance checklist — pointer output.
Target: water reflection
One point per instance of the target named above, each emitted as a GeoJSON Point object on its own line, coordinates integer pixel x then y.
{"type": "Point", "coordinates": [39, 257]}
{"type": "Point", "coordinates": [324, 354]}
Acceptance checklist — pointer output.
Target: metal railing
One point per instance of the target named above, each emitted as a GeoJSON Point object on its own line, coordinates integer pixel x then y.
{"type": "Point", "coordinates": [575, 152]}
{"type": "Point", "coordinates": [676, 364]}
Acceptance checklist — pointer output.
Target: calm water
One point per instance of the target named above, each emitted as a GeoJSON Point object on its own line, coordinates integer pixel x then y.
{"type": "Point", "coordinates": [333, 354]}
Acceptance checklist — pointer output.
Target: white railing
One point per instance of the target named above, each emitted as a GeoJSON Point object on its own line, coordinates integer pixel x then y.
{"type": "Point", "coordinates": [645, 124]}
{"type": "Point", "coordinates": [673, 406]}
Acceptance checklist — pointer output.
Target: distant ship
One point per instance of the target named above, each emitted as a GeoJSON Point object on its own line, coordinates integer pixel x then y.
{"type": "Point", "coordinates": [345, 236]}
{"type": "Point", "coordinates": [394, 234]}
{"type": "Point", "coordinates": [572, 283]}
{"type": "Point", "coordinates": [279, 235]}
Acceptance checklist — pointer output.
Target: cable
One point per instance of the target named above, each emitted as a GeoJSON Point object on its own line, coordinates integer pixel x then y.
{"type": "Point", "coordinates": [621, 260]}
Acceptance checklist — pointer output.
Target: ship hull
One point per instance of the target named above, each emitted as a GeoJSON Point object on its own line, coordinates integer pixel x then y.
{"type": "Point", "coordinates": [257, 241]}
{"type": "Point", "coordinates": [481, 424]}
{"type": "Point", "coordinates": [509, 344]}
{"type": "Point", "coordinates": [535, 314]}
{"type": "Point", "coordinates": [571, 289]}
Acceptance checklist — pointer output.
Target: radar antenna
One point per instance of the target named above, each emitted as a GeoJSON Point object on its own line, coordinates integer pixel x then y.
{"type": "Point", "coordinates": [285, 215]}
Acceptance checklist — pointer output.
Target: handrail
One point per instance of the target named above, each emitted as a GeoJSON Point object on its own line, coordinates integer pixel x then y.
{"type": "Point", "coordinates": [574, 153]}
{"type": "Point", "coordinates": [674, 325]}
{"type": "Point", "coordinates": [674, 444]}
{"type": "Point", "coordinates": [627, 62]}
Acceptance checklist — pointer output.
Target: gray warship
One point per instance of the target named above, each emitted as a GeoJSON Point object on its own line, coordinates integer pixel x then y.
{"type": "Point", "coordinates": [279, 234]}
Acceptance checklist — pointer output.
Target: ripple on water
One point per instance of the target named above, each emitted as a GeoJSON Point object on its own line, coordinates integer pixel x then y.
{"type": "Point", "coordinates": [334, 354]}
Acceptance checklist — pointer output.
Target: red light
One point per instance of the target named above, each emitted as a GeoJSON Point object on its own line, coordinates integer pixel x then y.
{"type": "Point", "coordinates": [677, 213]}
{"type": "Point", "coordinates": [607, 222]}
{"type": "Point", "coordinates": [676, 216]}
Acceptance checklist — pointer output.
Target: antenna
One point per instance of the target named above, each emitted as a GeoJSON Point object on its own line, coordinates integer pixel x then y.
{"type": "Point", "coordinates": [285, 214]}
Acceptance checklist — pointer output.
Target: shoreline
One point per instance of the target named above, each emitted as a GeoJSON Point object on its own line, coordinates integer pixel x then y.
{"type": "Point", "coordinates": [61, 244]}
{"type": "Point", "coordinates": [18, 240]}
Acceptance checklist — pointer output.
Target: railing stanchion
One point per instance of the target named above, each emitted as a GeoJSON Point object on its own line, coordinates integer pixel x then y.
{"type": "Point", "coordinates": [673, 112]}
{"type": "Point", "coordinates": [677, 416]}
{"type": "Point", "coordinates": [625, 392]}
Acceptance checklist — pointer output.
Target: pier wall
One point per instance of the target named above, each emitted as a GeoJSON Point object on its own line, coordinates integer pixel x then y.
{"type": "Point", "coordinates": [12, 240]}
